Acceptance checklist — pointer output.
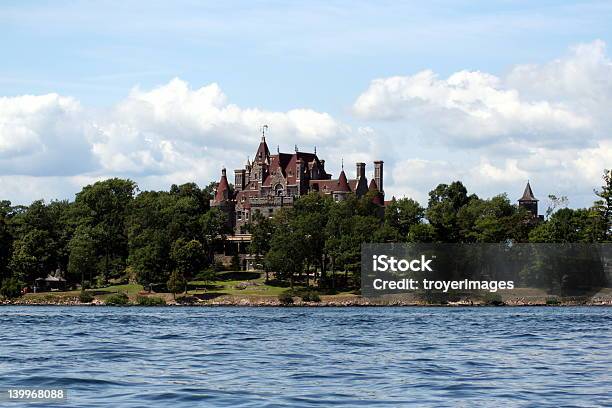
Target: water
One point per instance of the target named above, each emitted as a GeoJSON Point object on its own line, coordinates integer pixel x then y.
{"type": "Point", "coordinates": [192, 357]}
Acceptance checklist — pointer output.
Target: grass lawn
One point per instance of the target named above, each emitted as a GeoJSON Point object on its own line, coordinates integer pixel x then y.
{"type": "Point", "coordinates": [129, 289]}
{"type": "Point", "coordinates": [231, 283]}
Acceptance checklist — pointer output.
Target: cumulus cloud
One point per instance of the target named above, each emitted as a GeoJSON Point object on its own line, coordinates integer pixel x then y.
{"type": "Point", "coordinates": [169, 134]}
{"type": "Point", "coordinates": [471, 108]}
{"type": "Point", "coordinates": [42, 135]}
{"type": "Point", "coordinates": [548, 122]}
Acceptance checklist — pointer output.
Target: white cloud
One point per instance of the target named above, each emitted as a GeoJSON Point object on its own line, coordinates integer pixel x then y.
{"type": "Point", "coordinates": [550, 123]}
{"type": "Point", "coordinates": [471, 108]}
{"type": "Point", "coordinates": [166, 135]}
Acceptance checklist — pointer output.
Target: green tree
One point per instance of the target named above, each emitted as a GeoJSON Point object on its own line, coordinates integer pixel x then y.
{"type": "Point", "coordinates": [214, 226]}
{"type": "Point", "coordinates": [6, 238]}
{"type": "Point", "coordinates": [188, 257]}
{"type": "Point", "coordinates": [402, 214]}
{"type": "Point", "coordinates": [10, 288]}
{"type": "Point", "coordinates": [565, 226]}
{"type": "Point", "coordinates": [103, 206]}
{"type": "Point", "coordinates": [82, 258]}
{"type": "Point", "coordinates": [445, 201]}
{"type": "Point", "coordinates": [602, 215]}
{"type": "Point", "coordinates": [423, 233]}
{"type": "Point", "coordinates": [176, 283]}
{"type": "Point", "coordinates": [286, 256]}
{"type": "Point", "coordinates": [261, 229]}
{"type": "Point", "coordinates": [31, 255]}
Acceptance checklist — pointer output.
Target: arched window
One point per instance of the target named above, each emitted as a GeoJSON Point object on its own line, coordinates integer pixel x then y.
{"type": "Point", "coordinates": [278, 190]}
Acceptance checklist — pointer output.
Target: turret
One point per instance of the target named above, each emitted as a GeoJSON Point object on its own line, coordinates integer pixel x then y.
{"type": "Point", "coordinates": [222, 193]}
{"type": "Point", "coordinates": [528, 201]}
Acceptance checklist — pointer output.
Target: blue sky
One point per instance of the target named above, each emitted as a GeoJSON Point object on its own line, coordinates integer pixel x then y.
{"type": "Point", "coordinates": [278, 57]}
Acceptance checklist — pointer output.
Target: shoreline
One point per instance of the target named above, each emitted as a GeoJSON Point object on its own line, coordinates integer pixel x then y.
{"type": "Point", "coordinates": [353, 302]}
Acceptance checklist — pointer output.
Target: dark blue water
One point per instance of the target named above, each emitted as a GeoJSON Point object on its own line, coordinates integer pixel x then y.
{"type": "Point", "coordinates": [192, 357]}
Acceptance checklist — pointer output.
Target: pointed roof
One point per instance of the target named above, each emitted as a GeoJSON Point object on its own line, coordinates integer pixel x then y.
{"type": "Point", "coordinates": [222, 189]}
{"type": "Point", "coordinates": [343, 183]}
{"type": "Point", "coordinates": [263, 152]}
{"type": "Point", "coordinates": [528, 194]}
{"type": "Point", "coordinates": [373, 185]}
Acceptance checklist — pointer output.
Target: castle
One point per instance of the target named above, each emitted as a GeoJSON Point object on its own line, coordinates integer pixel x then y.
{"type": "Point", "coordinates": [273, 181]}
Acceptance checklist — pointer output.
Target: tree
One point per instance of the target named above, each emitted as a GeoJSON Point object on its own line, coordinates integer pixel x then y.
{"type": "Point", "coordinates": [176, 283]}
{"type": "Point", "coordinates": [308, 220]}
{"type": "Point", "coordinates": [6, 238]}
{"type": "Point", "coordinates": [82, 258]}
{"type": "Point", "coordinates": [104, 206]}
{"type": "Point", "coordinates": [214, 226]}
{"type": "Point", "coordinates": [423, 233]}
{"type": "Point", "coordinates": [603, 209]}
{"type": "Point", "coordinates": [286, 256]}
{"type": "Point", "coordinates": [10, 288]}
{"type": "Point", "coordinates": [31, 255]}
{"type": "Point", "coordinates": [555, 203]}
{"type": "Point", "coordinates": [261, 229]}
{"type": "Point", "coordinates": [188, 257]}
{"type": "Point", "coordinates": [565, 226]}
{"type": "Point", "coordinates": [445, 201]}
{"type": "Point", "coordinates": [402, 214]}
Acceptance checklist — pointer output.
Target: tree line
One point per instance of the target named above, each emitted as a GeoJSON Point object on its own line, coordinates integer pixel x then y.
{"type": "Point", "coordinates": [112, 232]}
{"type": "Point", "coordinates": [319, 238]}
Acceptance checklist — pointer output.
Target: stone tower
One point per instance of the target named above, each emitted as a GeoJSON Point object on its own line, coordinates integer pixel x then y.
{"type": "Point", "coordinates": [528, 201]}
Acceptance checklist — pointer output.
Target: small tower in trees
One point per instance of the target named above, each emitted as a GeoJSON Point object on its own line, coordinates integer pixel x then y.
{"type": "Point", "coordinates": [528, 201]}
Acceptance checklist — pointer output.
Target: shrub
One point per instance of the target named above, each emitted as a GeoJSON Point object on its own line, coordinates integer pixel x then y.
{"type": "Point", "coordinates": [493, 299]}
{"type": "Point", "coordinates": [85, 297]}
{"type": "Point", "coordinates": [150, 301]}
{"type": "Point", "coordinates": [235, 263]}
{"type": "Point", "coordinates": [117, 299]}
{"type": "Point", "coordinates": [285, 298]}
{"type": "Point", "coordinates": [552, 301]}
{"type": "Point", "coordinates": [311, 297]}
{"type": "Point", "coordinates": [186, 300]}
{"type": "Point", "coordinates": [11, 288]}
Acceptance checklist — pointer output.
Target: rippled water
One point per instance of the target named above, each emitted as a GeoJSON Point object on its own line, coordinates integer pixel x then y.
{"type": "Point", "coordinates": [165, 357]}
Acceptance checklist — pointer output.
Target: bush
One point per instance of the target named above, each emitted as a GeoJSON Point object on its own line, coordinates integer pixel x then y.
{"type": "Point", "coordinates": [493, 299]}
{"type": "Point", "coordinates": [11, 288]}
{"type": "Point", "coordinates": [235, 263]}
{"type": "Point", "coordinates": [552, 301]}
{"type": "Point", "coordinates": [186, 300]}
{"type": "Point", "coordinates": [311, 297]}
{"type": "Point", "coordinates": [207, 275]}
{"type": "Point", "coordinates": [285, 298]}
{"type": "Point", "coordinates": [150, 301]}
{"type": "Point", "coordinates": [85, 297]}
{"type": "Point", "coordinates": [117, 299]}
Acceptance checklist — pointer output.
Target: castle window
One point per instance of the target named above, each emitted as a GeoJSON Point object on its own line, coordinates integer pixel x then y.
{"type": "Point", "coordinates": [278, 190]}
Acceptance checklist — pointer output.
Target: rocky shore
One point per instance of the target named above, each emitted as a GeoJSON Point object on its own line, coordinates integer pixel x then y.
{"type": "Point", "coordinates": [328, 301]}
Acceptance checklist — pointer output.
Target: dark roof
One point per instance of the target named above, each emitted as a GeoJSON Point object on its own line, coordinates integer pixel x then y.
{"type": "Point", "coordinates": [528, 194]}
{"type": "Point", "coordinates": [373, 185]}
{"type": "Point", "coordinates": [262, 152]}
{"type": "Point", "coordinates": [343, 183]}
{"type": "Point", "coordinates": [222, 188]}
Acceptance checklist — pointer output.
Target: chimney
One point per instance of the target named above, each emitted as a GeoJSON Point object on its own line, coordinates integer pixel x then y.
{"type": "Point", "coordinates": [378, 175]}
{"type": "Point", "coordinates": [239, 179]}
{"type": "Point", "coordinates": [360, 171]}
